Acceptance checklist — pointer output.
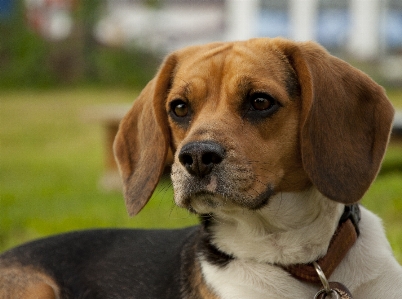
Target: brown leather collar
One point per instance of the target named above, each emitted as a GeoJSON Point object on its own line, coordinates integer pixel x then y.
{"type": "Point", "coordinates": [343, 239]}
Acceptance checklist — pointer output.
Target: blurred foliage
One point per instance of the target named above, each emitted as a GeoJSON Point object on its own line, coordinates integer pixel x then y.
{"type": "Point", "coordinates": [29, 60]}
{"type": "Point", "coordinates": [20, 52]}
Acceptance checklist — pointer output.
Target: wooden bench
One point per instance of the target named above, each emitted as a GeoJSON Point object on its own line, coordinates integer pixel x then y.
{"type": "Point", "coordinates": [396, 135]}
{"type": "Point", "coordinates": [109, 116]}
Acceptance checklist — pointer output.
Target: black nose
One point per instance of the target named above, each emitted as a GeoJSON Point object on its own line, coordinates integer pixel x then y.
{"type": "Point", "coordinates": [200, 157]}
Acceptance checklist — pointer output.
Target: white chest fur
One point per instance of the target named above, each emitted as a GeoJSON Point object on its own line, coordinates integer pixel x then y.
{"type": "Point", "coordinates": [252, 280]}
{"type": "Point", "coordinates": [369, 269]}
{"type": "Point", "coordinates": [292, 228]}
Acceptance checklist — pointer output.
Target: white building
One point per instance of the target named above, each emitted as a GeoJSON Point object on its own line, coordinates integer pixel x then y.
{"type": "Point", "coordinates": [365, 29]}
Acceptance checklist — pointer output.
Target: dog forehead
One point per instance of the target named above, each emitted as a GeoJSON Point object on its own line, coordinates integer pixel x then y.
{"type": "Point", "coordinates": [222, 60]}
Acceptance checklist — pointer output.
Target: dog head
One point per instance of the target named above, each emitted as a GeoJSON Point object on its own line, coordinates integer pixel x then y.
{"type": "Point", "coordinates": [247, 120]}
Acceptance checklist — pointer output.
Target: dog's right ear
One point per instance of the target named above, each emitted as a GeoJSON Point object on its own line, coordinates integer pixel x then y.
{"type": "Point", "coordinates": [142, 142]}
{"type": "Point", "coordinates": [346, 120]}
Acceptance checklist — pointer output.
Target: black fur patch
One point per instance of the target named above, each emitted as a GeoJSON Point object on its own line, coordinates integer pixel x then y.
{"type": "Point", "coordinates": [207, 249]}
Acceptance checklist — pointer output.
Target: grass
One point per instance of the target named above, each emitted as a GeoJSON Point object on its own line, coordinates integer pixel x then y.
{"type": "Point", "coordinates": [50, 164]}
{"type": "Point", "coordinates": [51, 160]}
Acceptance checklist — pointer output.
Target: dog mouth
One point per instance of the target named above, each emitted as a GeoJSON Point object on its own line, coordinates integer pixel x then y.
{"type": "Point", "coordinates": [205, 201]}
{"type": "Point", "coordinates": [228, 186]}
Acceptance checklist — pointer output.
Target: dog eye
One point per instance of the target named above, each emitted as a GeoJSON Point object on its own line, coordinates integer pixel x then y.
{"type": "Point", "coordinates": [179, 108]}
{"type": "Point", "coordinates": [263, 102]}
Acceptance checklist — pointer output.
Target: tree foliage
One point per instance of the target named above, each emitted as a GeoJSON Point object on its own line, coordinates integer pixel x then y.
{"type": "Point", "coordinates": [29, 60]}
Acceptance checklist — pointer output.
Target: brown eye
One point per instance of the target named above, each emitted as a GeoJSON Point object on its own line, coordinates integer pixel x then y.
{"type": "Point", "coordinates": [261, 105]}
{"type": "Point", "coordinates": [179, 108]}
{"type": "Point", "coordinates": [262, 102]}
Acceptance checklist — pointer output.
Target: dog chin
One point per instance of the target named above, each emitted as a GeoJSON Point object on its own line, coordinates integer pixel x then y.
{"type": "Point", "coordinates": [203, 202]}
{"type": "Point", "coordinates": [206, 202]}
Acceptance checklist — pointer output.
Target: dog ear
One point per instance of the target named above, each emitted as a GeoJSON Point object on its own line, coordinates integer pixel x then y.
{"type": "Point", "coordinates": [142, 142]}
{"type": "Point", "coordinates": [345, 122]}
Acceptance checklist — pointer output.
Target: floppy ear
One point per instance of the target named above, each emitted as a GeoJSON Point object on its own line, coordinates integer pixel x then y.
{"type": "Point", "coordinates": [142, 142]}
{"type": "Point", "coordinates": [345, 122]}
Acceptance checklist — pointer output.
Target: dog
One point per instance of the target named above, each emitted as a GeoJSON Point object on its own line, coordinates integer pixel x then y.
{"type": "Point", "coordinates": [274, 144]}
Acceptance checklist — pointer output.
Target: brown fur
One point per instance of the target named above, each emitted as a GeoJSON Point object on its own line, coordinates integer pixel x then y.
{"type": "Point", "coordinates": [317, 91]}
{"type": "Point", "coordinates": [200, 285]}
{"type": "Point", "coordinates": [197, 287]}
{"type": "Point", "coordinates": [27, 283]}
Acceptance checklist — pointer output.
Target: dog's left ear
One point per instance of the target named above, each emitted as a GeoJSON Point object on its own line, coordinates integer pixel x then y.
{"type": "Point", "coordinates": [345, 122]}
{"type": "Point", "coordinates": [142, 142]}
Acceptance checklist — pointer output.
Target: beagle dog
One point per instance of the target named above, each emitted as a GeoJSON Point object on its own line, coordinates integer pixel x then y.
{"type": "Point", "coordinates": [274, 143]}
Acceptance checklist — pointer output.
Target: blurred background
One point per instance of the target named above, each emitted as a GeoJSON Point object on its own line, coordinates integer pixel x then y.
{"type": "Point", "coordinates": [69, 70]}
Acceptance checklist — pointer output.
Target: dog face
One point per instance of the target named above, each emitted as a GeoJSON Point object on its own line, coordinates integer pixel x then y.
{"type": "Point", "coordinates": [248, 120]}
{"type": "Point", "coordinates": [234, 117]}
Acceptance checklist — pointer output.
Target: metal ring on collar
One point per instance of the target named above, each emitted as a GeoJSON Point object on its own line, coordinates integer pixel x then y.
{"type": "Point", "coordinates": [332, 293]}
{"type": "Point", "coordinates": [322, 277]}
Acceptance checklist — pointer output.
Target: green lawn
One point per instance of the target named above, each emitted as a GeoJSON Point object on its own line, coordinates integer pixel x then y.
{"type": "Point", "coordinates": [51, 160]}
